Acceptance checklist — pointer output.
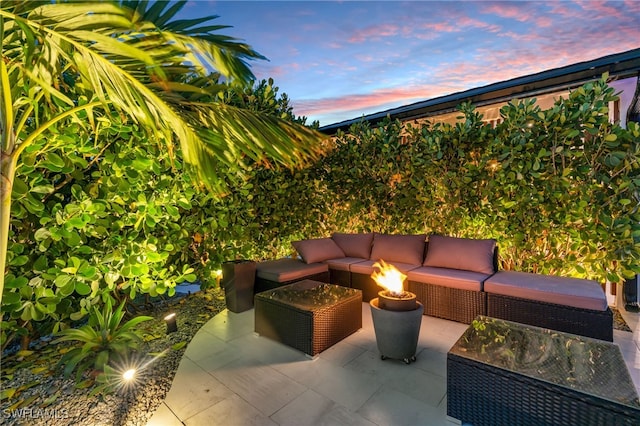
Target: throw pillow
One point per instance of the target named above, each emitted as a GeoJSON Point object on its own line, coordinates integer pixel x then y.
{"type": "Point", "coordinates": [461, 253]}
{"type": "Point", "coordinates": [399, 248]}
{"type": "Point", "coordinates": [354, 245]}
{"type": "Point", "coordinates": [317, 250]}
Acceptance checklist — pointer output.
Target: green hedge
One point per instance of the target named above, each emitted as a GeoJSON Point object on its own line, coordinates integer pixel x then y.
{"type": "Point", "coordinates": [112, 215]}
{"type": "Point", "coordinates": [557, 188]}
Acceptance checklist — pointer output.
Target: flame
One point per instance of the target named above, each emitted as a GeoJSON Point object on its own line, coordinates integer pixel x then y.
{"type": "Point", "coordinates": [389, 277]}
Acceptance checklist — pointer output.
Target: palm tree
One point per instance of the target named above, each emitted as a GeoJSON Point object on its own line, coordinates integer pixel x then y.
{"type": "Point", "coordinates": [135, 59]}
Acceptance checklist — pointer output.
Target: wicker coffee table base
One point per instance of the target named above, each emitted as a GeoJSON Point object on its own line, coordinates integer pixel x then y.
{"type": "Point", "coordinates": [310, 331]}
{"type": "Point", "coordinates": [483, 395]}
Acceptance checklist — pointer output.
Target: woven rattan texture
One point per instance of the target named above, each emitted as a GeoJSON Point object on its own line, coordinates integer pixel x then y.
{"type": "Point", "coordinates": [449, 303]}
{"type": "Point", "coordinates": [310, 331]}
{"type": "Point", "coordinates": [342, 278]}
{"type": "Point", "coordinates": [366, 284]}
{"type": "Point", "coordinates": [483, 395]}
{"type": "Point", "coordinates": [584, 322]}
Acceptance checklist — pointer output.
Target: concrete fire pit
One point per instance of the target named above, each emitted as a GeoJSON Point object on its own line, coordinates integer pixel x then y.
{"type": "Point", "coordinates": [397, 331]}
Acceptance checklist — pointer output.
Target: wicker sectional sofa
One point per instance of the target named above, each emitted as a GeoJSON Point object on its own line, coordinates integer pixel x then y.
{"type": "Point", "coordinates": [454, 278]}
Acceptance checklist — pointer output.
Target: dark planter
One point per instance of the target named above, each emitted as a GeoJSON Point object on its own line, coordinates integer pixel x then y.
{"type": "Point", "coordinates": [238, 279]}
{"type": "Point", "coordinates": [397, 331]}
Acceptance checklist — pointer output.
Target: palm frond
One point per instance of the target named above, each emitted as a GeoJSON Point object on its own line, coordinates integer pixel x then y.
{"type": "Point", "coordinates": [134, 58]}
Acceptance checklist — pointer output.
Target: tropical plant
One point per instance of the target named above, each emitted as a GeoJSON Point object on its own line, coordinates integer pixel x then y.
{"type": "Point", "coordinates": [102, 339]}
{"type": "Point", "coordinates": [117, 215]}
{"type": "Point", "coordinates": [87, 64]}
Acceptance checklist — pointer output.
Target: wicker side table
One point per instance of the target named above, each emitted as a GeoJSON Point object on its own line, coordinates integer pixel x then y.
{"type": "Point", "coordinates": [308, 315]}
{"type": "Point", "coordinates": [505, 373]}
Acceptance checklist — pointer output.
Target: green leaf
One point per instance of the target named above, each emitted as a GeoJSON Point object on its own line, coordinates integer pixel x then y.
{"type": "Point", "coordinates": [19, 188]}
{"type": "Point", "coordinates": [19, 261]}
{"type": "Point", "coordinates": [43, 189]}
{"type": "Point", "coordinates": [178, 346]}
{"type": "Point", "coordinates": [82, 289]}
{"type": "Point", "coordinates": [42, 234]}
{"type": "Point", "coordinates": [7, 393]}
{"type": "Point", "coordinates": [85, 384]}
{"type": "Point", "coordinates": [10, 298]}
{"type": "Point", "coordinates": [16, 282]}
{"type": "Point", "coordinates": [62, 280]}
{"type": "Point", "coordinates": [75, 222]}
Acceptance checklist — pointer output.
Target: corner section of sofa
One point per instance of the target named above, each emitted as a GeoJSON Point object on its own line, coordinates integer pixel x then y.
{"type": "Point", "coordinates": [276, 273]}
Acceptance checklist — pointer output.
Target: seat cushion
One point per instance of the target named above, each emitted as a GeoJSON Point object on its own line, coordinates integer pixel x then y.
{"type": "Point", "coordinates": [576, 292]}
{"type": "Point", "coordinates": [454, 278]}
{"type": "Point", "coordinates": [367, 268]}
{"type": "Point", "coordinates": [354, 245]}
{"type": "Point", "coordinates": [461, 253]}
{"type": "Point", "coordinates": [343, 264]}
{"type": "Point", "coordinates": [317, 250]}
{"type": "Point", "coordinates": [408, 249]}
{"type": "Point", "coordinates": [283, 270]}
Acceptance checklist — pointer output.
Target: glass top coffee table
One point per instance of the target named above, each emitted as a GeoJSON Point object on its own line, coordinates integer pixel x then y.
{"type": "Point", "coordinates": [308, 315]}
{"type": "Point", "coordinates": [502, 372]}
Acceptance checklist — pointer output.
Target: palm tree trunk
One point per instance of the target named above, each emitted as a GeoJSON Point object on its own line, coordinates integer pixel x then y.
{"type": "Point", "coordinates": [7, 171]}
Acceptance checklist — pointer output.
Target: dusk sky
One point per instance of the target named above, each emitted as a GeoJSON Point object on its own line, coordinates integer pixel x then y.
{"type": "Point", "coordinates": [341, 60]}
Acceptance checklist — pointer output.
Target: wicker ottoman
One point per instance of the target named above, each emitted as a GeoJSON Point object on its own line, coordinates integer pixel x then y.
{"type": "Point", "coordinates": [505, 373]}
{"type": "Point", "coordinates": [308, 315]}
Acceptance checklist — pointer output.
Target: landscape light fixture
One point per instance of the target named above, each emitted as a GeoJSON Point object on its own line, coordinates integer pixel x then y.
{"type": "Point", "coordinates": [218, 275]}
{"type": "Point", "coordinates": [129, 375]}
{"type": "Point", "coordinates": [171, 323]}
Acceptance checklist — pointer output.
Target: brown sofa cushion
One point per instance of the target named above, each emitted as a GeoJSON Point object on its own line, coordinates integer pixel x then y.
{"type": "Point", "coordinates": [283, 270]}
{"type": "Point", "coordinates": [344, 263]}
{"type": "Point", "coordinates": [366, 267]}
{"type": "Point", "coordinates": [398, 248]}
{"type": "Point", "coordinates": [576, 292]}
{"type": "Point", "coordinates": [461, 253]}
{"type": "Point", "coordinates": [447, 277]}
{"type": "Point", "coordinates": [354, 245]}
{"type": "Point", "coordinates": [318, 250]}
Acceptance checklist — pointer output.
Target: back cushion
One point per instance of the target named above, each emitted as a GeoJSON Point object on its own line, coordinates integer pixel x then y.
{"type": "Point", "coordinates": [461, 253]}
{"type": "Point", "coordinates": [399, 248]}
{"type": "Point", "coordinates": [354, 245]}
{"type": "Point", "coordinates": [317, 250]}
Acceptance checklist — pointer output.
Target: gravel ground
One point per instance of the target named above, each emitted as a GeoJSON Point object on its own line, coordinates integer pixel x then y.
{"type": "Point", "coordinates": [43, 397]}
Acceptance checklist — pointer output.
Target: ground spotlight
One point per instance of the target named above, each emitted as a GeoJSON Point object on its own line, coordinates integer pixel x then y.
{"type": "Point", "coordinates": [129, 375]}
{"type": "Point", "coordinates": [172, 325]}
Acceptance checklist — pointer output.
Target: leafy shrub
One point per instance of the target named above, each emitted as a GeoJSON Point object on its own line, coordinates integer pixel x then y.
{"type": "Point", "coordinates": [101, 339]}
{"type": "Point", "coordinates": [558, 189]}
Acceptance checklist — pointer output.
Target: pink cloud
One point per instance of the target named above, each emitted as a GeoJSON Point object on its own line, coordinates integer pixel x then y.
{"type": "Point", "coordinates": [364, 58]}
{"type": "Point", "coordinates": [359, 102]}
{"type": "Point", "coordinates": [466, 21]}
{"type": "Point", "coordinates": [601, 9]}
{"type": "Point", "coordinates": [441, 27]}
{"type": "Point", "coordinates": [527, 37]}
{"type": "Point", "coordinates": [505, 10]}
{"type": "Point", "coordinates": [559, 9]}
{"type": "Point", "coordinates": [374, 32]}
{"type": "Point", "coordinates": [544, 22]}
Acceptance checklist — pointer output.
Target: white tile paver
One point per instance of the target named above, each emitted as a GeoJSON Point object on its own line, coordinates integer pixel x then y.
{"type": "Point", "coordinates": [193, 390]}
{"type": "Point", "coordinates": [233, 411]}
{"type": "Point", "coordinates": [311, 408]}
{"type": "Point", "coordinates": [260, 385]}
{"type": "Point", "coordinates": [231, 376]}
{"type": "Point", "coordinates": [164, 417]}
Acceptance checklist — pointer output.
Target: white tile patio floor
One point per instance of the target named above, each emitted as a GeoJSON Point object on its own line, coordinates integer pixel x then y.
{"type": "Point", "coordinates": [230, 376]}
